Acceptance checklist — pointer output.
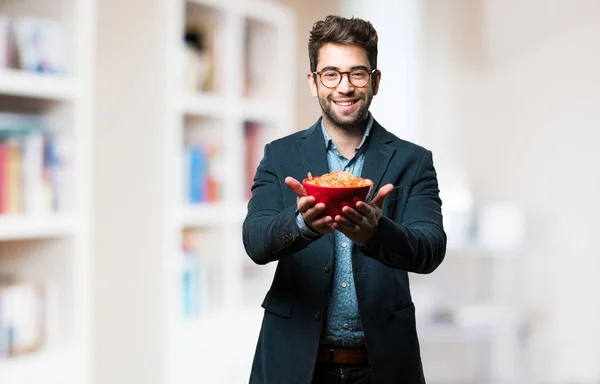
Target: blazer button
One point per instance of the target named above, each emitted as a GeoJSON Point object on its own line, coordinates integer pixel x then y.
{"type": "Point", "coordinates": [327, 267]}
{"type": "Point", "coordinates": [286, 239]}
{"type": "Point", "coordinates": [318, 315]}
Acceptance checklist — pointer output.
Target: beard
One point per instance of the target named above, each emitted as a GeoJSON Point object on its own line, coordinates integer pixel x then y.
{"type": "Point", "coordinates": [346, 122]}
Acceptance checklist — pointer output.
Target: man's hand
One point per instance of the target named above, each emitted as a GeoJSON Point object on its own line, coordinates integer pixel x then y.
{"type": "Point", "coordinates": [311, 212]}
{"type": "Point", "coordinates": [361, 223]}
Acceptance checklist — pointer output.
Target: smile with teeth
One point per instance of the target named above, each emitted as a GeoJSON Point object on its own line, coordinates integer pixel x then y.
{"type": "Point", "coordinates": [345, 103]}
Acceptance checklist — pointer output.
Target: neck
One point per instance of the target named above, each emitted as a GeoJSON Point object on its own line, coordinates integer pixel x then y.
{"type": "Point", "coordinates": [346, 138]}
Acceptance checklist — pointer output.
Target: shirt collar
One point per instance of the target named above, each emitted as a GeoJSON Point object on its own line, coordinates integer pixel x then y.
{"type": "Point", "coordinates": [329, 142]}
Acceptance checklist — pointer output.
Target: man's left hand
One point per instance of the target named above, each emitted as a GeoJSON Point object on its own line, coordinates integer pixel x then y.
{"type": "Point", "coordinates": [361, 223]}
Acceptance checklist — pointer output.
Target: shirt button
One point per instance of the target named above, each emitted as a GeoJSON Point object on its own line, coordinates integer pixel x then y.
{"type": "Point", "coordinates": [344, 245]}
{"type": "Point", "coordinates": [327, 267]}
{"type": "Point", "coordinates": [344, 285]}
{"type": "Point", "coordinates": [318, 315]}
{"type": "Point", "coordinates": [346, 326]}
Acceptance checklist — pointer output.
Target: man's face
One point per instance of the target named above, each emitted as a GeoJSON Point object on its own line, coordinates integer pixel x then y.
{"type": "Point", "coordinates": [345, 105]}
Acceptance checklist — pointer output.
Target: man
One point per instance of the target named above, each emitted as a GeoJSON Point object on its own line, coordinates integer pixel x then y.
{"type": "Point", "coordinates": [339, 309]}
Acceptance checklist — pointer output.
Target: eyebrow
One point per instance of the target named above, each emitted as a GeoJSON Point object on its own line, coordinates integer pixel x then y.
{"type": "Point", "coordinates": [330, 68]}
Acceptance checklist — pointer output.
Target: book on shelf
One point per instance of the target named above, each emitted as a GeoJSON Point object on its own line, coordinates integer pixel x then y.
{"type": "Point", "coordinates": [22, 318]}
{"type": "Point", "coordinates": [199, 56]}
{"type": "Point", "coordinates": [200, 182]}
{"type": "Point", "coordinates": [192, 277]}
{"type": "Point", "coordinates": [196, 285]}
{"type": "Point", "coordinates": [30, 165]}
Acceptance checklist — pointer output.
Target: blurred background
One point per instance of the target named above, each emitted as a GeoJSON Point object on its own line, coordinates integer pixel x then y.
{"type": "Point", "coordinates": [130, 132]}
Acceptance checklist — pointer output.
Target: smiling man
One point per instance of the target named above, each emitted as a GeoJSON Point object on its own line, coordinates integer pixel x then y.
{"type": "Point", "coordinates": [339, 309]}
{"type": "Point", "coordinates": [345, 104]}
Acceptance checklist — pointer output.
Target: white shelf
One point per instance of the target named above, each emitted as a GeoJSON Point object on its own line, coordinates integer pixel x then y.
{"type": "Point", "coordinates": [199, 104]}
{"type": "Point", "coordinates": [218, 4]}
{"type": "Point", "coordinates": [478, 252]}
{"type": "Point", "coordinates": [487, 316]}
{"type": "Point", "coordinates": [211, 214]}
{"type": "Point", "coordinates": [56, 366]}
{"type": "Point", "coordinates": [251, 108]}
{"type": "Point", "coordinates": [193, 337]}
{"type": "Point", "coordinates": [256, 109]}
{"type": "Point", "coordinates": [23, 227]}
{"type": "Point", "coordinates": [453, 333]}
{"type": "Point", "coordinates": [226, 321]}
{"type": "Point", "coordinates": [262, 11]}
{"type": "Point", "coordinates": [44, 86]}
{"type": "Point", "coordinates": [266, 12]}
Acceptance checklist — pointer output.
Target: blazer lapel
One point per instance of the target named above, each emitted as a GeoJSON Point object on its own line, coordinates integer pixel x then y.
{"type": "Point", "coordinates": [377, 155]}
{"type": "Point", "coordinates": [313, 153]}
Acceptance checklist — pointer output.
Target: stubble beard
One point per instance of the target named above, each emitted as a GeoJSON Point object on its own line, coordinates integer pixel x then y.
{"type": "Point", "coordinates": [345, 124]}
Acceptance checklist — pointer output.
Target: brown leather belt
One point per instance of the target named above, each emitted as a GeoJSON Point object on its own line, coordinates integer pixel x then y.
{"type": "Point", "coordinates": [342, 356]}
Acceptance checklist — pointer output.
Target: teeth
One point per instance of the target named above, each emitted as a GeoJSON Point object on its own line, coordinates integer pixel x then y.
{"type": "Point", "coordinates": [345, 104]}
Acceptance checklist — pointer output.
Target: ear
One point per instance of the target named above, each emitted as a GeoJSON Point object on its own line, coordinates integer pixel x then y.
{"type": "Point", "coordinates": [376, 79]}
{"type": "Point", "coordinates": [311, 83]}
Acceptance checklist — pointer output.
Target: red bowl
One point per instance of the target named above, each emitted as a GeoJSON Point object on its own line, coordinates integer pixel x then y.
{"type": "Point", "coordinates": [335, 198]}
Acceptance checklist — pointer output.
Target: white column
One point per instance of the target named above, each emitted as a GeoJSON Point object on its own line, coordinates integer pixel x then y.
{"type": "Point", "coordinates": [398, 25]}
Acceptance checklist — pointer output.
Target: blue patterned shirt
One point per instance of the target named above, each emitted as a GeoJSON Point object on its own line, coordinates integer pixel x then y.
{"type": "Point", "coordinates": [343, 326]}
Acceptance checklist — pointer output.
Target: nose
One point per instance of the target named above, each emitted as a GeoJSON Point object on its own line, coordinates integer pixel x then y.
{"type": "Point", "coordinates": [345, 86]}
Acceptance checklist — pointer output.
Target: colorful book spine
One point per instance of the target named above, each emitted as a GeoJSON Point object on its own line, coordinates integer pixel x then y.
{"type": "Point", "coordinates": [31, 168]}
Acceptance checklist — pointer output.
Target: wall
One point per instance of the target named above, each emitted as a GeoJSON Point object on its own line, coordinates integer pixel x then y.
{"type": "Point", "coordinates": [510, 92]}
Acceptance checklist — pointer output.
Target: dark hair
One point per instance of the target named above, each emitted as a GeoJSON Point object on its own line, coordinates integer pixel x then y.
{"type": "Point", "coordinates": [336, 29]}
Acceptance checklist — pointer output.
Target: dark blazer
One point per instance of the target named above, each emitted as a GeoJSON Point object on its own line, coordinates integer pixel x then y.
{"type": "Point", "coordinates": [411, 238]}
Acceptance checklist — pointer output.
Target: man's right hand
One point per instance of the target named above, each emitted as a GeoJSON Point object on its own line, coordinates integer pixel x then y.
{"type": "Point", "coordinates": [311, 213]}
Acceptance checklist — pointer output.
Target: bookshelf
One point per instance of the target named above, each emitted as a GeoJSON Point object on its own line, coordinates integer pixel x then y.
{"type": "Point", "coordinates": [45, 255]}
{"type": "Point", "coordinates": [40, 86]}
{"type": "Point", "coordinates": [173, 97]}
{"type": "Point", "coordinates": [251, 48]}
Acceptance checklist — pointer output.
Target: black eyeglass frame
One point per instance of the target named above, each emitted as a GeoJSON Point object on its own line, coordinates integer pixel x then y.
{"type": "Point", "coordinates": [347, 73]}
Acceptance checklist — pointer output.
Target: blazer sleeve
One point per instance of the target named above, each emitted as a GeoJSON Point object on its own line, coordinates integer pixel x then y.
{"type": "Point", "coordinates": [417, 243]}
{"type": "Point", "coordinates": [270, 231]}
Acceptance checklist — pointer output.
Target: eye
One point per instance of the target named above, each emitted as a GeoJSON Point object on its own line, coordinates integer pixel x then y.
{"type": "Point", "coordinates": [359, 75]}
{"type": "Point", "coordinates": [330, 74]}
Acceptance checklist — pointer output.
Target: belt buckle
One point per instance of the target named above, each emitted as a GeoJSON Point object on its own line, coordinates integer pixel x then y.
{"type": "Point", "coordinates": [330, 354]}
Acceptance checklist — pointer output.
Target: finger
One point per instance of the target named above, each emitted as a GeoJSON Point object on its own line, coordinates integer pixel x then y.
{"type": "Point", "coordinates": [347, 230]}
{"type": "Point", "coordinates": [381, 195]}
{"type": "Point", "coordinates": [367, 210]}
{"type": "Point", "coordinates": [313, 212]}
{"type": "Point", "coordinates": [352, 215]}
{"type": "Point", "coordinates": [323, 224]}
{"type": "Point", "coordinates": [295, 186]}
{"type": "Point", "coordinates": [345, 224]}
{"type": "Point", "coordinates": [307, 202]}
{"type": "Point", "coordinates": [336, 227]}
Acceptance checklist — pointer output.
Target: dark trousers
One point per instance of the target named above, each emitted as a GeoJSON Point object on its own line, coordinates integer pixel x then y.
{"type": "Point", "coordinates": [329, 373]}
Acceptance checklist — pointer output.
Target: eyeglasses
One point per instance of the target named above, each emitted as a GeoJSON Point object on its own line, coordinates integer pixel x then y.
{"type": "Point", "coordinates": [332, 78]}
